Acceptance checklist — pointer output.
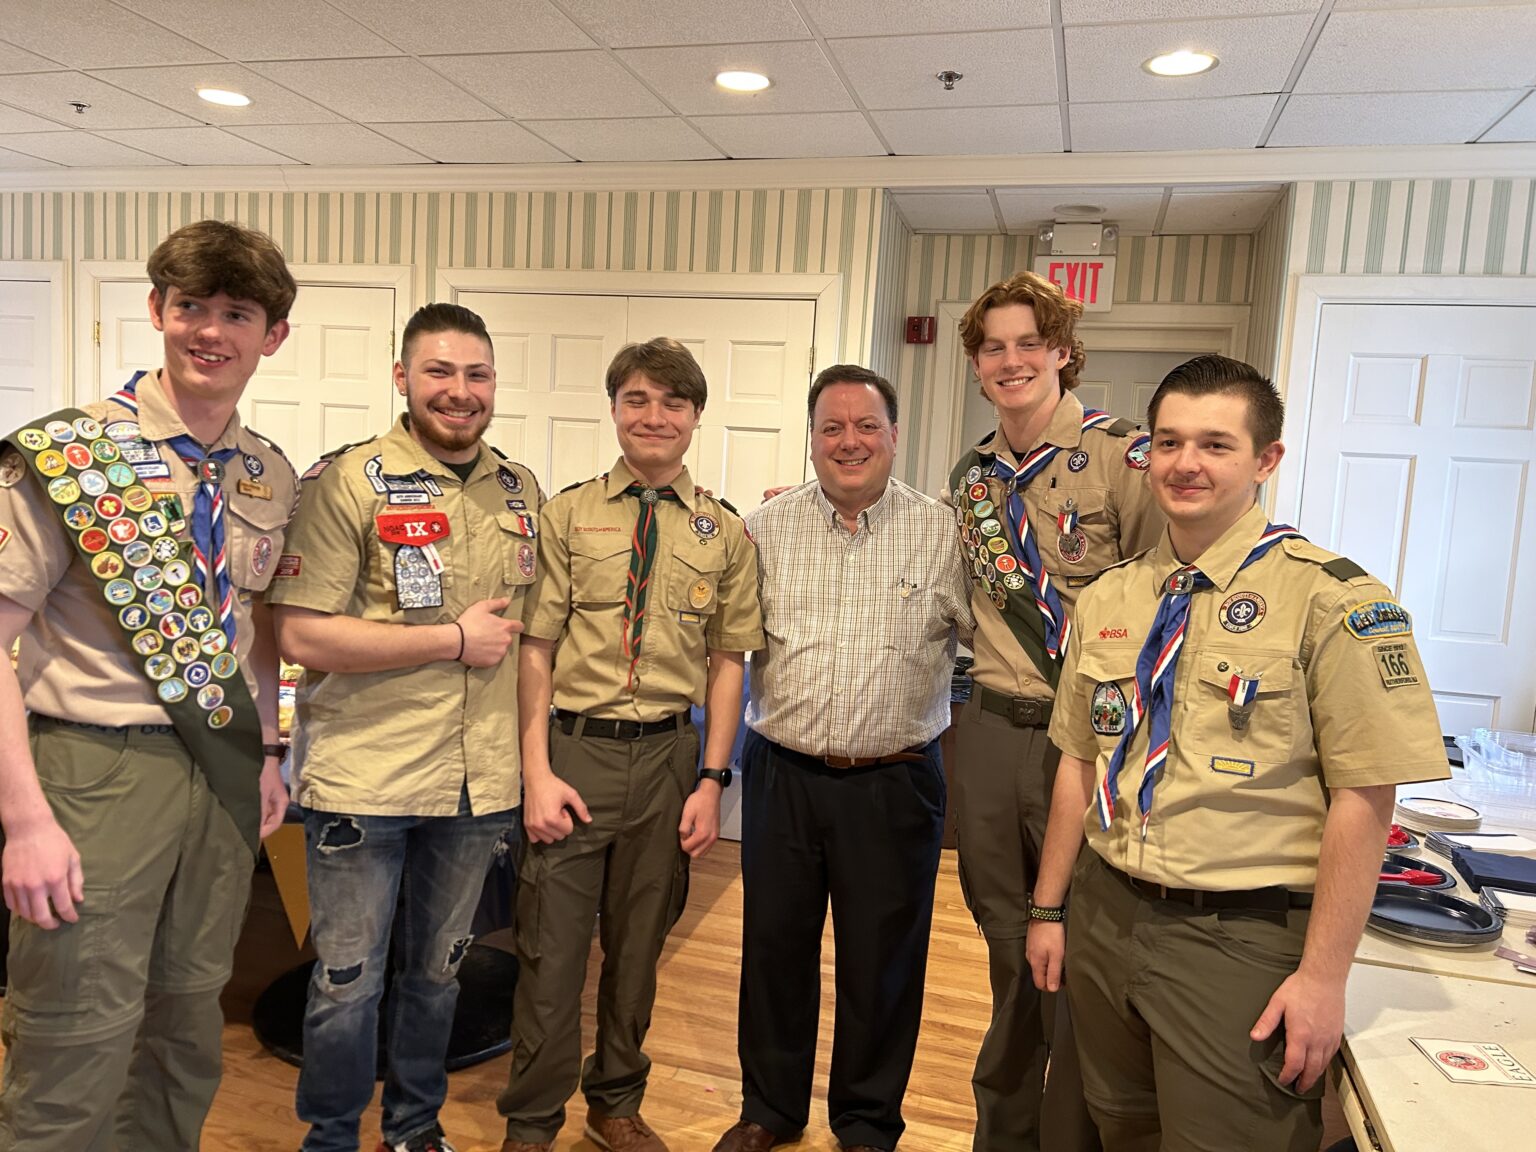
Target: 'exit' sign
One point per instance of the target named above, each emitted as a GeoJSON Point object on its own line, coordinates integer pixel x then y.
{"type": "Point", "coordinates": [1090, 279]}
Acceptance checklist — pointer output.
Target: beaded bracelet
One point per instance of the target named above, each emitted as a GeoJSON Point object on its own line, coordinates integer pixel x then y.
{"type": "Point", "coordinates": [1054, 915]}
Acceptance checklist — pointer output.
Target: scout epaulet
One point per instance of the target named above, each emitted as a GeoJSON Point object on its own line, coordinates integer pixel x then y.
{"type": "Point", "coordinates": [573, 487]}
{"type": "Point", "coordinates": [728, 506]}
{"type": "Point", "coordinates": [272, 444]}
{"type": "Point", "coordinates": [329, 458]}
{"type": "Point", "coordinates": [1121, 427]}
{"type": "Point", "coordinates": [1344, 569]}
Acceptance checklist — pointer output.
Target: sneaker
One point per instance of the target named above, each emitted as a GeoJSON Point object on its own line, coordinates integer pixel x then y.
{"type": "Point", "coordinates": [432, 1140]}
{"type": "Point", "coordinates": [622, 1133]}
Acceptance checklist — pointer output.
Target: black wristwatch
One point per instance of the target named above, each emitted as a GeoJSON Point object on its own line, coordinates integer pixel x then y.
{"type": "Point", "coordinates": [721, 776]}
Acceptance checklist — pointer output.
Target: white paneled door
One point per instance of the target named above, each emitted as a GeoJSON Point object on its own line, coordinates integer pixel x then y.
{"type": "Point", "coordinates": [328, 385]}
{"type": "Point", "coordinates": [552, 410]}
{"type": "Point", "coordinates": [1421, 444]}
{"type": "Point", "coordinates": [26, 352]}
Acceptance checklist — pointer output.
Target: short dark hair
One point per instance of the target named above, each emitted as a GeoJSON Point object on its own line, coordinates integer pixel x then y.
{"type": "Point", "coordinates": [851, 374]}
{"type": "Point", "coordinates": [667, 363]}
{"type": "Point", "coordinates": [1056, 317]}
{"type": "Point", "coordinates": [442, 317]}
{"type": "Point", "coordinates": [1211, 375]}
{"type": "Point", "coordinates": [213, 256]}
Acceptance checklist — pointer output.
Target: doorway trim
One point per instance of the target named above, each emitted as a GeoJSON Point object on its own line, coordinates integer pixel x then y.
{"type": "Point", "coordinates": [54, 273]}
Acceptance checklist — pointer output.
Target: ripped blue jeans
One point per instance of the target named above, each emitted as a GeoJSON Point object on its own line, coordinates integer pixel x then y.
{"type": "Point", "coordinates": [418, 878]}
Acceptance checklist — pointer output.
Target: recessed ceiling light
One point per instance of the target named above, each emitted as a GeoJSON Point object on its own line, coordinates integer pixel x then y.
{"type": "Point", "coordinates": [224, 97]}
{"type": "Point", "coordinates": [742, 81]}
{"type": "Point", "coordinates": [1181, 63]}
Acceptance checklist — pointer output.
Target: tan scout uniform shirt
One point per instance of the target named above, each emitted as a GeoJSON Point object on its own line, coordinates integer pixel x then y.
{"type": "Point", "coordinates": [405, 741]}
{"type": "Point", "coordinates": [1342, 703]}
{"type": "Point", "coordinates": [703, 594]}
{"type": "Point", "coordinates": [74, 664]}
{"type": "Point", "coordinates": [1116, 513]}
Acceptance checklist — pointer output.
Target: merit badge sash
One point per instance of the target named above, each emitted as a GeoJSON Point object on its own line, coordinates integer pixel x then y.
{"type": "Point", "coordinates": [172, 634]}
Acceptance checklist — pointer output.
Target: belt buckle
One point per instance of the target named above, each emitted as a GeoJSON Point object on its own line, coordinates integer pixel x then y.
{"type": "Point", "coordinates": [1023, 713]}
{"type": "Point", "coordinates": [618, 730]}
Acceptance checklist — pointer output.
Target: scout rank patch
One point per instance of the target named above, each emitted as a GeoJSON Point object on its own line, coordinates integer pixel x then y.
{"type": "Point", "coordinates": [1138, 452]}
{"type": "Point", "coordinates": [1375, 618]}
{"type": "Point", "coordinates": [1242, 611]}
{"type": "Point", "coordinates": [1108, 709]}
{"type": "Point", "coordinates": [418, 565]}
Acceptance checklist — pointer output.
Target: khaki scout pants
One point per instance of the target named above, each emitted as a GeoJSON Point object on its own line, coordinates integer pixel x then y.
{"type": "Point", "coordinates": [112, 1024]}
{"type": "Point", "coordinates": [1002, 798]}
{"type": "Point", "coordinates": [1163, 996]}
{"type": "Point", "coordinates": [626, 864]}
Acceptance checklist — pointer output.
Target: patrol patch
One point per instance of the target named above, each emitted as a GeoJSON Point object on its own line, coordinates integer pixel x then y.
{"type": "Point", "coordinates": [1375, 618]}
{"type": "Point", "coordinates": [509, 480]}
{"type": "Point", "coordinates": [261, 555]}
{"type": "Point", "coordinates": [1227, 766]}
{"type": "Point", "coordinates": [1395, 663]}
{"type": "Point", "coordinates": [1138, 452]}
{"type": "Point", "coordinates": [1077, 461]}
{"type": "Point", "coordinates": [289, 565]}
{"type": "Point", "coordinates": [704, 527]}
{"type": "Point", "coordinates": [1108, 709]}
{"type": "Point", "coordinates": [1242, 611]}
{"type": "Point", "coordinates": [525, 559]}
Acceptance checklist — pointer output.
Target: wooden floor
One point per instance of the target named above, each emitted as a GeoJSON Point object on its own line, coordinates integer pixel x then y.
{"type": "Point", "coordinates": [694, 1091]}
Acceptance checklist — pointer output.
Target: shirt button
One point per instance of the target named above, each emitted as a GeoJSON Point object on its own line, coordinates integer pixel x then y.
{"type": "Point", "coordinates": [837, 691]}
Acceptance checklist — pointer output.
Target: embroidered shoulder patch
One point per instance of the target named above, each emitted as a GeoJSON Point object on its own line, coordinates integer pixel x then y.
{"type": "Point", "coordinates": [1137, 452]}
{"type": "Point", "coordinates": [1375, 618]}
{"type": "Point", "coordinates": [316, 468]}
{"type": "Point", "coordinates": [289, 565]}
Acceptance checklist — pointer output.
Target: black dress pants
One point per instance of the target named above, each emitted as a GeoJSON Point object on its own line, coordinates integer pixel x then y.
{"type": "Point", "coordinates": [868, 839]}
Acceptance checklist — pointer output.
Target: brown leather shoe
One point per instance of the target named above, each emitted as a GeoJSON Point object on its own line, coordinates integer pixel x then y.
{"type": "Point", "coordinates": [746, 1136]}
{"type": "Point", "coordinates": [527, 1145]}
{"type": "Point", "coordinates": [622, 1133]}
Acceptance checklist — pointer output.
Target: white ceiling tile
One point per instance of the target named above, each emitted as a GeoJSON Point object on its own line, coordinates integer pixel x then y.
{"type": "Point", "coordinates": [94, 34]}
{"type": "Point", "coordinates": [1120, 11]}
{"type": "Point", "coordinates": [16, 160]}
{"type": "Point", "coordinates": [637, 23]}
{"type": "Point", "coordinates": [998, 68]}
{"type": "Point", "coordinates": [803, 78]}
{"type": "Point", "coordinates": [176, 88]}
{"type": "Point", "coordinates": [947, 211]}
{"type": "Point", "coordinates": [13, 59]}
{"type": "Point", "coordinates": [1170, 125]}
{"type": "Point", "coordinates": [15, 120]}
{"type": "Point", "coordinates": [1387, 118]}
{"type": "Point", "coordinates": [1256, 54]}
{"type": "Point", "coordinates": [1519, 125]}
{"type": "Point", "coordinates": [268, 30]}
{"type": "Point", "coordinates": [963, 132]}
{"type": "Point", "coordinates": [505, 26]}
{"type": "Point", "coordinates": [586, 85]}
{"type": "Point", "coordinates": [80, 150]}
{"type": "Point", "coordinates": [1347, 5]}
{"type": "Point", "coordinates": [665, 138]}
{"type": "Point", "coordinates": [1416, 51]}
{"type": "Point", "coordinates": [896, 17]}
{"type": "Point", "coordinates": [330, 144]}
{"type": "Point", "coordinates": [1199, 211]}
{"type": "Point", "coordinates": [381, 91]}
{"type": "Point", "coordinates": [49, 93]}
{"type": "Point", "coordinates": [792, 134]}
{"type": "Point", "coordinates": [479, 142]}
{"type": "Point", "coordinates": [1133, 210]}
{"type": "Point", "coordinates": [196, 146]}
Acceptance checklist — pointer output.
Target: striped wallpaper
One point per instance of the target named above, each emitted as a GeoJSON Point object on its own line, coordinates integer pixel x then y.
{"type": "Point", "coordinates": [1268, 286]}
{"type": "Point", "coordinates": [765, 231]}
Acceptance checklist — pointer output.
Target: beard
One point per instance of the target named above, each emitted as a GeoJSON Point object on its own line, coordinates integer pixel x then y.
{"type": "Point", "coordinates": [450, 438]}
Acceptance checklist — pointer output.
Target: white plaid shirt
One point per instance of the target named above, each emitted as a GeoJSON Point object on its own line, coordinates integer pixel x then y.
{"type": "Point", "coordinates": [861, 626]}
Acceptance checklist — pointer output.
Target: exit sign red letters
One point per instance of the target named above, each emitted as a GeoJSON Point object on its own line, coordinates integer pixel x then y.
{"type": "Point", "coordinates": [1090, 279]}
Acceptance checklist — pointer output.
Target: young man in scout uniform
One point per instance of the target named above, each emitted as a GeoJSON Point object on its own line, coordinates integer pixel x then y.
{"type": "Point", "coordinates": [401, 592]}
{"type": "Point", "coordinates": [1046, 502]}
{"type": "Point", "coordinates": [1236, 708]}
{"type": "Point", "coordinates": [649, 588]}
{"type": "Point", "coordinates": [134, 794]}
{"type": "Point", "coordinates": [864, 598]}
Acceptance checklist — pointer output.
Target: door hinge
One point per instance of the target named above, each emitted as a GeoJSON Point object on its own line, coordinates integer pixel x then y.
{"type": "Point", "coordinates": [96, 332]}
{"type": "Point", "coordinates": [391, 345]}
{"type": "Point", "coordinates": [810, 359]}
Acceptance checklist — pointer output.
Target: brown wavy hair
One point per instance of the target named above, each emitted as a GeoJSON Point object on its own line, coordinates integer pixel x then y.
{"type": "Point", "coordinates": [213, 256]}
{"type": "Point", "coordinates": [1056, 315]}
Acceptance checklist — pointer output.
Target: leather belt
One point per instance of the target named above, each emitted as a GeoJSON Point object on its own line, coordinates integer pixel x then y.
{"type": "Point", "coordinates": [1020, 712]}
{"type": "Point", "coordinates": [1274, 899]}
{"type": "Point", "coordinates": [620, 729]}
{"type": "Point", "coordinates": [40, 721]}
{"type": "Point", "coordinates": [908, 757]}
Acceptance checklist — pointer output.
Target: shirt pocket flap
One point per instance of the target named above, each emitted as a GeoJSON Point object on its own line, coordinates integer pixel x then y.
{"type": "Point", "coordinates": [1275, 673]}
{"type": "Point", "coordinates": [695, 583]}
{"type": "Point", "coordinates": [263, 514]}
{"type": "Point", "coordinates": [518, 530]}
{"type": "Point", "coordinates": [1102, 665]}
{"type": "Point", "coordinates": [599, 567]}
{"type": "Point", "coordinates": [1085, 501]}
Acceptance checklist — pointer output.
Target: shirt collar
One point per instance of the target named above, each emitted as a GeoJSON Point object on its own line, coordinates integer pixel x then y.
{"type": "Point", "coordinates": [620, 477]}
{"type": "Point", "coordinates": [159, 420]}
{"type": "Point", "coordinates": [1065, 430]}
{"type": "Point", "coordinates": [401, 455]}
{"type": "Point", "coordinates": [869, 517]}
{"type": "Point", "coordinates": [1221, 562]}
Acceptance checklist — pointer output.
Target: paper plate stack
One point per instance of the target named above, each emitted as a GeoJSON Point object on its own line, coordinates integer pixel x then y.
{"type": "Point", "coordinates": [1427, 814]}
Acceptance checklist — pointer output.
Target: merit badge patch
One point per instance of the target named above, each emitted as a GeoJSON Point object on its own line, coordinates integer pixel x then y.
{"type": "Point", "coordinates": [1230, 767]}
{"type": "Point", "coordinates": [1394, 661]}
{"type": "Point", "coordinates": [1108, 709]}
{"type": "Point", "coordinates": [525, 559]}
{"type": "Point", "coordinates": [704, 527]}
{"type": "Point", "coordinates": [1376, 618]}
{"type": "Point", "coordinates": [973, 474]}
{"type": "Point", "coordinates": [1138, 451]}
{"type": "Point", "coordinates": [509, 480]}
{"type": "Point", "coordinates": [1077, 461]}
{"type": "Point", "coordinates": [1242, 611]}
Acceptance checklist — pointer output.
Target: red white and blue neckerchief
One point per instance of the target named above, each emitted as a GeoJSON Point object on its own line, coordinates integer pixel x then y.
{"type": "Point", "coordinates": [208, 534]}
{"type": "Point", "coordinates": [1058, 629]}
{"type": "Point", "coordinates": [1153, 693]}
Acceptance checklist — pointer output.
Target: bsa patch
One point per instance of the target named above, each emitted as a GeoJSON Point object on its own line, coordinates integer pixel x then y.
{"type": "Point", "coordinates": [289, 565]}
{"type": "Point", "coordinates": [1375, 618]}
{"type": "Point", "coordinates": [253, 465]}
{"type": "Point", "coordinates": [704, 527]}
{"type": "Point", "coordinates": [1108, 709]}
{"type": "Point", "coordinates": [1230, 767]}
{"type": "Point", "coordinates": [1138, 451]}
{"type": "Point", "coordinates": [1242, 611]}
{"type": "Point", "coordinates": [509, 480]}
{"type": "Point", "coordinates": [525, 559]}
{"type": "Point", "coordinates": [1395, 663]}
{"type": "Point", "coordinates": [1077, 461]}
{"type": "Point", "coordinates": [1073, 545]}
{"type": "Point", "coordinates": [261, 555]}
